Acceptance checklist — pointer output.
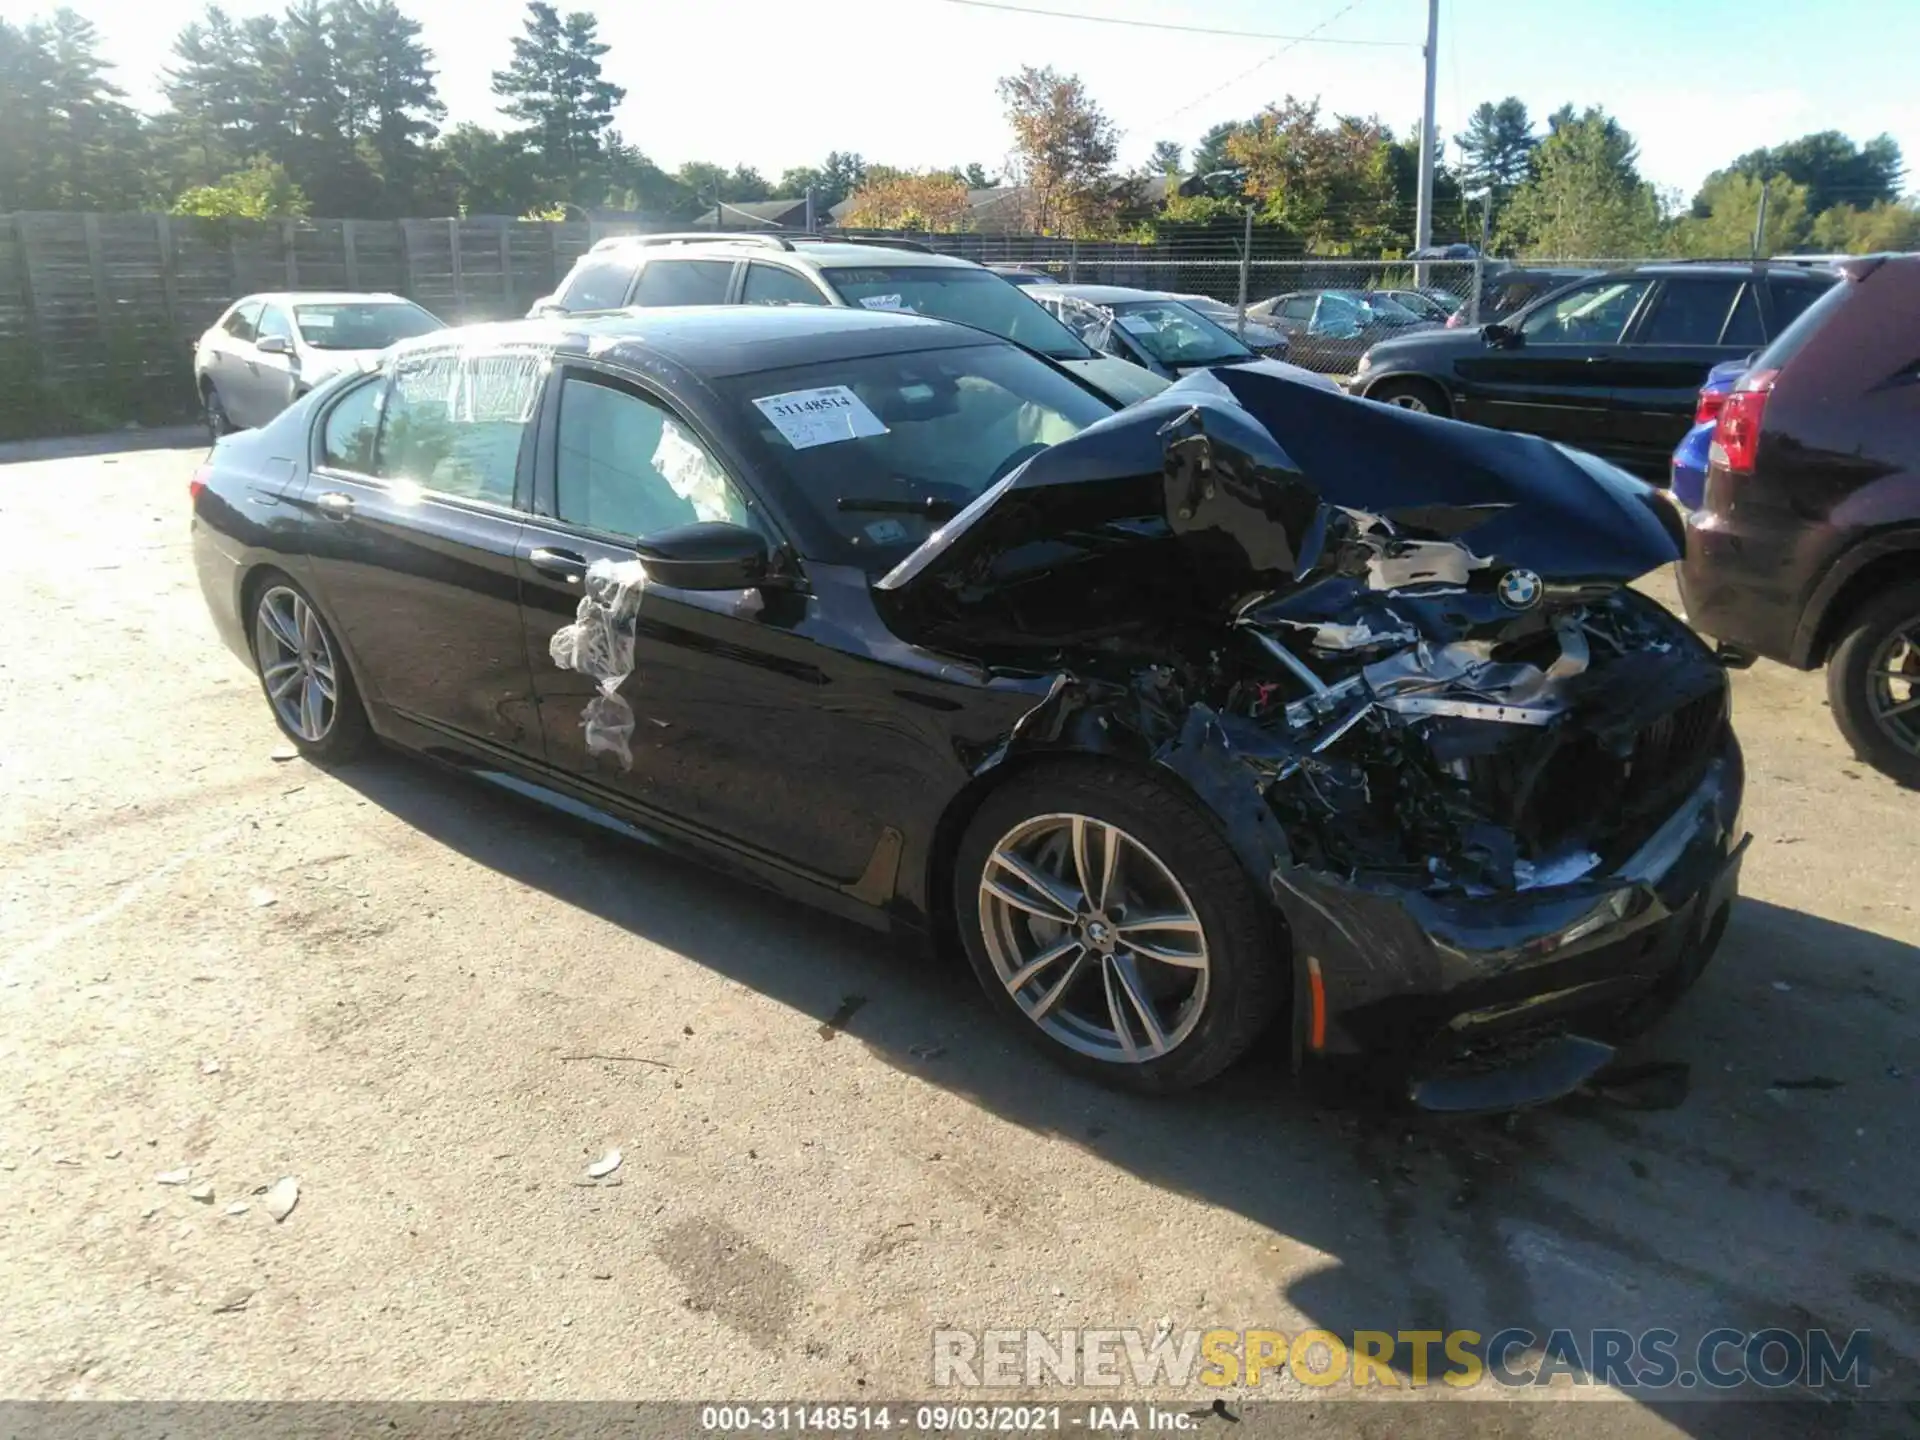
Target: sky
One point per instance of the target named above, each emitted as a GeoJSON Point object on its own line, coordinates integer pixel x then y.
{"type": "Point", "coordinates": [911, 82]}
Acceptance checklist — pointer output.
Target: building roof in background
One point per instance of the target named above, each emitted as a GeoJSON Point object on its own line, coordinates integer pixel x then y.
{"type": "Point", "coordinates": [778, 214]}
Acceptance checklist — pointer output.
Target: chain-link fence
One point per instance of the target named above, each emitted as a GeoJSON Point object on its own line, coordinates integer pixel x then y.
{"type": "Point", "coordinates": [1320, 312]}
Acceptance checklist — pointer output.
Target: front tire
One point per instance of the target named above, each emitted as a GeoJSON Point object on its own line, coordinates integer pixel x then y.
{"type": "Point", "coordinates": [1108, 919]}
{"type": "Point", "coordinates": [1873, 684]}
{"type": "Point", "coordinates": [1422, 397]}
{"type": "Point", "coordinates": [304, 676]}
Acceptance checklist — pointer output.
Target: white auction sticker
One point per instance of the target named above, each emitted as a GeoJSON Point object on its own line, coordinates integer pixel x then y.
{"type": "Point", "coordinates": [820, 417]}
{"type": "Point", "coordinates": [883, 302]}
{"type": "Point", "coordinates": [1137, 324]}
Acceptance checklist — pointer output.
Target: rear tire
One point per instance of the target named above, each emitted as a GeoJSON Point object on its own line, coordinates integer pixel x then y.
{"type": "Point", "coordinates": [304, 674]}
{"type": "Point", "coordinates": [215, 412]}
{"type": "Point", "coordinates": [1423, 397]}
{"type": "Point", "coordinates": [1152, 1007]}
{"type": "Point", "coordinates": [1873, 684]}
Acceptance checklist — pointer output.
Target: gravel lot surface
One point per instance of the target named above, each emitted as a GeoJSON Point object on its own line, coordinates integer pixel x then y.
{"type": "Point", "coordinates": [434, 1006]}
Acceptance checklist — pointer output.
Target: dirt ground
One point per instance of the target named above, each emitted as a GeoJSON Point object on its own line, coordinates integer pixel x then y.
{"type": "Point", "coordinates": [403, 989]}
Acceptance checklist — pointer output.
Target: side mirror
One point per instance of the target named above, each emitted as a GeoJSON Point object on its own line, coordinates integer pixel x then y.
{"type": "Point", "coordinates": [546, 305]}
{"type": "Point", "coordinates": [709, 555]}
{"type": "Point", "coordinates": [273, 345]}
{"type": "Point", "coordinates": [1501, 337]}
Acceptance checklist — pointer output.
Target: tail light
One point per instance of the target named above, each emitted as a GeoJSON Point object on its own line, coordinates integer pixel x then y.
{"type": "Point", "coordinates": [1736, 440]}
{"type": "Point", "coordinates": [199, 482]}
{"type": "Point", "coordinates": [1711, 403]}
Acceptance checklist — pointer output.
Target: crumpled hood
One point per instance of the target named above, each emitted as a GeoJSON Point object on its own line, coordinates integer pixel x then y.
{"type": "Point", "coordinates": [1249, 470]}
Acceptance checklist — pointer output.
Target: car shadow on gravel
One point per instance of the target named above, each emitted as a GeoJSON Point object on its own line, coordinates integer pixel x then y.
{"type": "Point", "coordinates": [1593, 1212]}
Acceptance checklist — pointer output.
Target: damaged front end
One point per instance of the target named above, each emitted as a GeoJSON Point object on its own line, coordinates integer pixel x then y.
{"type": "Point", "coordinates": [1492, 789]}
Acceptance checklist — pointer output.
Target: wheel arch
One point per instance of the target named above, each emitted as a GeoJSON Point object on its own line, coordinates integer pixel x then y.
{"type": "Point", "coordinates": [951, 828]}
{"type": "Point", "coordinates": [1855, 578]}
{"type": "Point", "coordinates": [1416, 377]}
{"type": "Point", "coordinates": [255, 576]}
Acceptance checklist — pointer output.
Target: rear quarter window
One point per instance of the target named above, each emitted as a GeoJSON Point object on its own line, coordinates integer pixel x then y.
{"type": "Point", "coordinates": [1790, 341]}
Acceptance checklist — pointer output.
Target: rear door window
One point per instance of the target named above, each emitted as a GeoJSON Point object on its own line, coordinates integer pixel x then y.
{"type": "Point", "coordinates": [598, 283]}
{"type": "Point", "coordinates": [1743, 327]}
{"type": "Point", "coordinates": [454, 422]}
{"type": "Point", "coordinates": [1688, 312]}
{"type": "Point", "coordinates": [684, 282]}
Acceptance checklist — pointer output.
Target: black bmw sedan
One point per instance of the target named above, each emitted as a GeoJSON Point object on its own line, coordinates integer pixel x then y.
{"type": "Point", "coordinates": [1249, 700]}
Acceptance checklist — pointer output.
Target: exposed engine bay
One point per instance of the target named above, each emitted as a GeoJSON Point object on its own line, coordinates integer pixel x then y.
{"type": "Point", "coordinates": [1420, 657]}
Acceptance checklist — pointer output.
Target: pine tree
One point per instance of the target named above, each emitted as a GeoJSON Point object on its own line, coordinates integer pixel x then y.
{"type": "Point", "coordinates": [71, 141]}
{"type": "Point", "coordinates": [554, 88]}
{"type": "Point", "coordinates": [393, 102]}
{"type": "Point", "coordinates": [1496, 152]}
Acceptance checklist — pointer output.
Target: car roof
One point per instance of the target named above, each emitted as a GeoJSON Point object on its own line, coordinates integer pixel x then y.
{"type": "Point", "coordinates": [1101, 294]}
{"type": "Point", "coordinates": [323, 297]}
{"type": "Point", "coordinates": [720, 340]}
{"type": "Point", "coordinates": [823, 254]}
{"type": "Point", "coordinates": [1730, 269]}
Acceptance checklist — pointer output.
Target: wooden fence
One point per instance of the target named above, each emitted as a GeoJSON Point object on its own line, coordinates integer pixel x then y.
{"type": "Point", "coordinates": [99, 313]}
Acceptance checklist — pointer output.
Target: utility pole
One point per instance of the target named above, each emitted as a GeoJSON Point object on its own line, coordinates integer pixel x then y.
{"type": "Point", "coordinates": [1760, 225]}
{"type": "Point", "coordinates": [1423, 220]}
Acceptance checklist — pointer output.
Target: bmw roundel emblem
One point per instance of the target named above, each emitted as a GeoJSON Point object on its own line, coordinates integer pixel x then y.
{"type": "Point", "coordinates": [1520, 589]}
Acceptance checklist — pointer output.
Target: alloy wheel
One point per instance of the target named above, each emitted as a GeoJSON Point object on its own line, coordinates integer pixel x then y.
{"type": "Point", "coordinates": [218, 423]}
{"type": "Point", "coordinates": [297, 663]}
{"type": "Point", "coordinates": [1407, 400]}
{"type": "Point", "coordinates": [1893, 685]}
{"type": "Point", "coordinates": [1094, 938]}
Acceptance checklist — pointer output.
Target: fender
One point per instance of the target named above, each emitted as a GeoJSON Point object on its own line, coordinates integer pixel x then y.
{"type": "Point", "coordinates": [1819, 605]}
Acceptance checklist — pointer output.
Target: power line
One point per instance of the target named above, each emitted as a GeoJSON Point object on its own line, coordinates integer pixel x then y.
{"type": "Point", "coordinates": [1255, 69]}
{"type": "Point", "coordinates": [1182, 29]}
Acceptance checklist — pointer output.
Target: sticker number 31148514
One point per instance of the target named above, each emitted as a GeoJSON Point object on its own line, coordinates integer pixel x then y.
{"type": "Point", "coordinates": [806, 418]}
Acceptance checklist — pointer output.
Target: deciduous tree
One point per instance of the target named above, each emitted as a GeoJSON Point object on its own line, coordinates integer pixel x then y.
{"type": "Point", "coordinates": [1331, 185]}
{"type": "Point", "coordinates": [1732, 204]}
{"type": "Point", "coordinates": [259, 192]}
{"type": "Point", "coordinates": [1064, 146]}
{"type": "Point", "coordinates": [932, 200]}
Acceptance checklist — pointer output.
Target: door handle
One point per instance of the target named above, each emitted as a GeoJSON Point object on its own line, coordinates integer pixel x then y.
{"type": "Point", "coordinates": [561, 564]}
{"type": "Point", "coordinates": [334, 505]}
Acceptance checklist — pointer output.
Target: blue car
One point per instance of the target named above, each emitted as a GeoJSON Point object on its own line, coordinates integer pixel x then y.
{"type": "Point", "coordinates": [1690, 455]}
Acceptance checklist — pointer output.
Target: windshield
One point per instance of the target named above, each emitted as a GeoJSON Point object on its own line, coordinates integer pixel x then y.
{"type": "Point", "coordinates": [882, 450]}
{"type": "Point", "coordinates": [972, 297]}
{"type": "Point", "coordinates": [362, 325]}
{"type": "Point", "coordinates": [1175, 334]}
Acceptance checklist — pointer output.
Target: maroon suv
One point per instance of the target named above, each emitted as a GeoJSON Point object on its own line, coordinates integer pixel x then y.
{"type": "Point", "coordinates": [1806, 546]}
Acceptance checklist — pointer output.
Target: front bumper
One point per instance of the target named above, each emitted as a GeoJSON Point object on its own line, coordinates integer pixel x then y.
{"type": "Point", "coordinates": [1435, 980]}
